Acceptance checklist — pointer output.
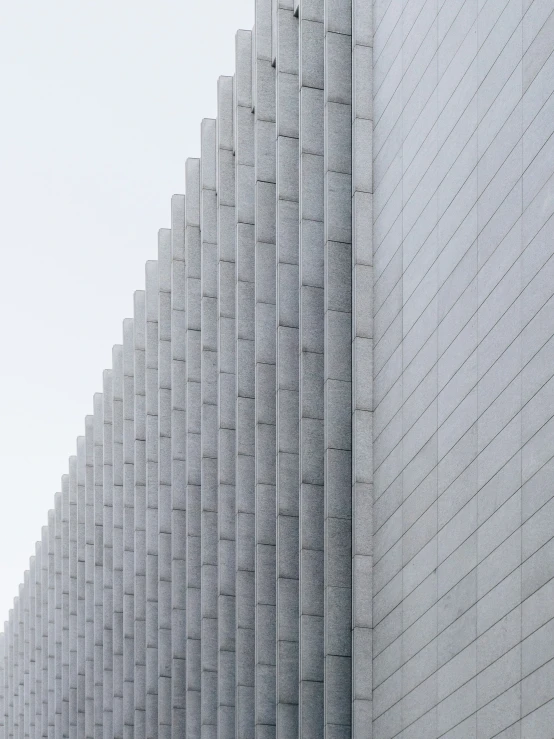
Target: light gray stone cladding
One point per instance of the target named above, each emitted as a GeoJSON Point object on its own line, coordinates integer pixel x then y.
{"type": "Point", "coordinates": [315, 497]}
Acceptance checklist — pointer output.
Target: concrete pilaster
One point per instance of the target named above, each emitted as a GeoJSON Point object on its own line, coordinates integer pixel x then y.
{"type": "Point", "coordinates": [65, 579]}
{"type": "Point", "coordinates": [118, 512]}
{"type": "Point", "coordinates": [285, 52]}
{"type": "Point", "coordinates": [164, 485]}
{"type": "Point", "coordinates": [128, 527]}
{"type": "Point", "coordinates": [81, 584]}
{"type": "Point", "coordinates": [26, 652]}
{"type": "Point", "coordinates": [41, 729]}
{"type": "Point", "coordinates": [36, 649]}
{"type": "Point", "coordinates": [139, 342]}
{"type": "Point", "coordinates": [58, 624]}
{"type": "Point", "coordinates": [98, 582]}
{"type": "Point", "coordinates": [226, 366]}
{"type": "Point", "coordinates": [90, 569]}
{"type": "Point", "coordinates": [178, 470]}
{"type": "Point", "coordinates": [193, 450]}
{"type": "Point", "coordinates": [311, 196]}
{"type": "Point", "coordinates": [3, 691]}
{"type": "Point", "coordinates": [19, 646]}
{"type": "Point", "coordinates": [51, 623]}
{"type": "Point", "coordinates": [209, 435]}
{"type": "Point", "coordinates": [265, 349]}
{"type": "Point", "coordinates": [362, 368]}
{"type": "Point", "coordinates": [107, 543]}
{"type": "Point", "coordinates": [72, 570]}
{"type": "Point", "coordinates": [32, 639]}
{"type": "Point", "coordinates": [245, 388]}
{"type": "Point", "coordinates": [10, 680]}
{"type": "Point", "coordinates": [152, 434]}
{"type": "Point", "coordinates": [338, 365]}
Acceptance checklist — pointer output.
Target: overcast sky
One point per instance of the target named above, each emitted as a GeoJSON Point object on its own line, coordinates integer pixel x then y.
{"type": "Point", "coordinates": [101, 104]}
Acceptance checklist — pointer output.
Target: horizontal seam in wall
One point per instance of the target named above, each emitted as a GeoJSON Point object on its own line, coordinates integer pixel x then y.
{"type": "Point", "coordinates": [477, 672]}
{"type": "Point", "coordinates": [476, 386]}
{"type": "Point", "coordinates": [435, 604]}
{"type": "Point", "coordinates": [446, 103]}
{"type": "Point", "coordinates": [457, 335]}
{"type": "Point", "coordinates": [475, 530]}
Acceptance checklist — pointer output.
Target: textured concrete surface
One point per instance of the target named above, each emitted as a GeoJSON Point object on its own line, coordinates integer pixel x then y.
{"type": "Point", "coordinates": [314, 497]}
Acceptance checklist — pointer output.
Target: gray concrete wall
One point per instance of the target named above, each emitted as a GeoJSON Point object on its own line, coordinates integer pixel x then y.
{"type": "Point", "coordinates": [462, 408]}
{"type": "Point", "coordinates": [314, 497]}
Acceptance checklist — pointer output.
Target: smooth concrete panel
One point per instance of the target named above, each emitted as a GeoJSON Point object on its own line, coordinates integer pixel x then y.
{"type": "Point", "coordinates": [152, 492]}
{"type": "Point", "coordinates": [139, 467]}
{"type": "Point", "coordinates": [118, 546]}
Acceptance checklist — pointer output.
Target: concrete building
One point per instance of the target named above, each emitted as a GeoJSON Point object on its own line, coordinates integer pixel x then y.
{"type": "Point", "coordinates": [316, 495]}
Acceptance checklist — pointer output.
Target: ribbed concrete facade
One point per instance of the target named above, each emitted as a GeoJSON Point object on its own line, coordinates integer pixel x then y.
{"type": "Point", "coordinates": [315, 497]}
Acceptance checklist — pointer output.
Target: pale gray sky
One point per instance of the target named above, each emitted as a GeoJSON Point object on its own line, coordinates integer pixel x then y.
{"type": "Point", "coordinates": [101, 104]}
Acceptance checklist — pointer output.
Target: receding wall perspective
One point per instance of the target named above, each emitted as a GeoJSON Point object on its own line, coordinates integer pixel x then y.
{"type": "Point", "coordinates": [315, 495]}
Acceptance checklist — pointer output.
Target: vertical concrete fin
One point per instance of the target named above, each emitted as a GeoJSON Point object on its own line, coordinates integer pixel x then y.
{"type": "Point", "coordinates": [58, 626]}
{"type": "Point", "coordinates": [65, 615]}
{"type": "Point", "coordinates": [164, 484]}
{"type": "Point", "coordinates": [285, 35]}
{"type": "Point", "coordinates": [118, 506]}
{"type": "Point", "coordinates": [311, 319]}
{"type": "Point", "coordinates": [90, 569]}
{"type": "Point", "coordinates": [338, 363]}
{"type": "Point", "coordinates": [178, 469]}
{"type": "Point", "coordinates": [244, 392]}
{"type": "Point", "coordinates": [193, 450]}
{"type": "Point", "coordinates": [226, 410]}
{"type": "Point", "coordinates": [81, 583]}
{"type": "Point", "coordinates": [107, 565]}
{"type": "Point", "coordinates": [362, 367]}
{"type": "Point", "coordinates": [139, 469]}
{"type": "Point", "coordinates": [128, 526]}
{"type": "Point", "coordinates": [73, 593]}
{"type": "Point", "coordinates": [209, 436]}
{"type": "Point", "coordinates": [265, 384]}
{"type": "Point", "coordinates": [152, 434]}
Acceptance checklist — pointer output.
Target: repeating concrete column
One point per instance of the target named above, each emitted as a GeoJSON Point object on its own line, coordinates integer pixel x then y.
{"type": "Point", "coordinates": [42, 725]}
{"type": "Point", "coordinates": [265, 441]}
{"type": "Point", "coordinates": [3, 691]}
{"type": "Point", "coordinates": [32, 641]}
{"type": "Point", "coordinates": [226, 365]}
{"type": "Point", "coordinates": [18, 664]}
{"type": "Point", "coordinates": [98, 582]}
{"type": "Point", "coordinates": [4, 688]}
{"type": "Point", "coordinates": [72, 570]}
{"type": "Point", "coordinates": [193, 450]}
{"type": "Point", "coordinates": [338, 365]}
{"type": "Point", "coordinates": [245, 478]}
{"type": "Point", "coordinates": [362, 368]}
{"type": "Point", "coordinates": [285, 52]}
{"type": "Point", "coordinates": [152, 433]}
{"type": "Point", "coordinates": [107, 542]}
{"type": "Point", "coordinates": [164, 485]}
{"type": "Point", "coordinates": [36, 650]}
{"type": "Point", "coordinates": [118, 505]}
{"type": "Point", "coordinates": [139, 342]}
{"type": "Point", "coordinates": [128, 527]}
{"type": "Point", "coordinates": [81, 583]}
{"type": "Point", "coordinates": [178, 470]}
{"type": "Point", "coordinates": [65, 578]}
{"type": "Point", "coordinates": [90, 569]}
{"type": "Point", "coordinates": [209, 440]}
{"type": "Point", "coordinates": [26, 651]}
{"type": "Point", "coordinates": [10, 680]}
{"type": "Point", "coordinates": [51, 623]}
{"type": "Point", "coordinates": [311, 195]}
{"type": "Point", "coordinates": [58, 626]}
